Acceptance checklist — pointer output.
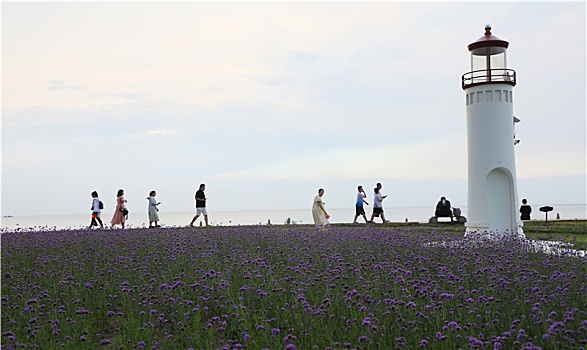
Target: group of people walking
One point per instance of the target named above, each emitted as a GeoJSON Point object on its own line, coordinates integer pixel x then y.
{"type": "Point", "coordinates": [377, 204]}
{"type": "Point", "coordinates": [319, 213]}
{"type": "Point", "coordinates": [320, 216]}
{"type": "Point", "coordinates": [121, 212]}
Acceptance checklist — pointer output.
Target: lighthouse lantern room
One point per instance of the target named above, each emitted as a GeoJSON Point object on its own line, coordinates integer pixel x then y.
{"type": "Point", "coordinates": [492, 186]}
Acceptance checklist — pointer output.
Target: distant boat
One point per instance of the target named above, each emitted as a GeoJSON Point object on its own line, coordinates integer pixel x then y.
{"type": "Point", "coordinates": [8, 216]}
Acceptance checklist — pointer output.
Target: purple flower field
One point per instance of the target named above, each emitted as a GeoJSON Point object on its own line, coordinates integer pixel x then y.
{"type": "Point", "coordinates": [287, 287]}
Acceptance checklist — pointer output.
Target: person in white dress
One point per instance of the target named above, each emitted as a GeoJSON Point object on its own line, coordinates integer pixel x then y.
{"type": "Point", "coordinates": [319, 213]}
{"type": "Point", "coordinates": [153, 210]}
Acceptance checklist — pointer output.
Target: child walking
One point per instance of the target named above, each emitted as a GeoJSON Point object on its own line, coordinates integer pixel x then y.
{"type": "Point", "coordinates": [359, 210]}
{"type": "Point", "coordinates": [96, 211]}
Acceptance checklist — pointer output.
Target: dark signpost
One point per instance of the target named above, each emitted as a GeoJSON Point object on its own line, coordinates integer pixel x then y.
{"type": "Point", "coordinates": [546, 209]}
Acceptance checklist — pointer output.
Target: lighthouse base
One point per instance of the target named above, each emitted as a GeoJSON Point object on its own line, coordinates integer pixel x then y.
{"type": "Point", "coordinates": [486, 232]}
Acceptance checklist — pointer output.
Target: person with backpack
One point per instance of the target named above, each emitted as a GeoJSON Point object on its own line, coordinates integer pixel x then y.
{"type": "Point", "coordinates": [96, 209]}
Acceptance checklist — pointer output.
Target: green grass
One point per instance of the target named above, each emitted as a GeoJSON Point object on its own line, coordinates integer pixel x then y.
{"type": "Point", "coordinates": [573, 232]}
{"type": "Point", "coordinates": [568, 231]}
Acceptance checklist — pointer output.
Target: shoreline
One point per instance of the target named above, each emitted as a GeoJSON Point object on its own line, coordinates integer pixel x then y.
{"type": "Point", "coordinates": [444, 224]}
{"type": "Point", "coordinates": [138, 218]}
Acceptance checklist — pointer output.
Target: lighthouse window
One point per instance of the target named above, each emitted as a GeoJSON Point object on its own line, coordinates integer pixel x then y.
{"type": "Point", "coordinates": [498, 60]}
{"type": "Point", "coordinates": [479, 96]}
{"type": "Point", "coordinates": [498, 95]}
{"type": "Point", "coordinates": [472, 97]}
{"type": "Point", "coordinates": [511, 97]}
{"type": "Point", "coordinates": [479, 66]}
{"type": "Point", "coordinates": [467, 99]}
{"type": "Point", "coordinates": [489, 96]}
{"type": "Point", "coordinates": [506, 96]}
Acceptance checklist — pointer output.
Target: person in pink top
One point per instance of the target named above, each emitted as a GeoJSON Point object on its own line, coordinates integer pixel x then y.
{"type": "Point", "coordinates": [119, 213]}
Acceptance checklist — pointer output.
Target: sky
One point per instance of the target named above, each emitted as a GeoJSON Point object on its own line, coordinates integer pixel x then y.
{"type": "Point", "coordinates": [267, 102]}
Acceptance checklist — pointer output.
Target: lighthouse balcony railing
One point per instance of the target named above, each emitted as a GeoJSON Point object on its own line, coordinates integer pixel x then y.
{"type": "Point", "coordinates": [485, 76]}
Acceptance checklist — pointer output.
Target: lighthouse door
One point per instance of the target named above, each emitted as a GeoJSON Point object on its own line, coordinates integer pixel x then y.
{"type": "Point", "coordinates": [499, 201]}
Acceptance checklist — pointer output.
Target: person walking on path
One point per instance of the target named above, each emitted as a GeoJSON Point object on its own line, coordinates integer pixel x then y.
{"type": "Point", "coordinates": [200, 205]}
{"type": "Point", "coordinates": [359, 210]}
{"type": "Point", "coordinates": [153, 210]}
{"type": "Point", "coordinates": [378, 205]}
{"type": "Point", "coordinates": [525, 210]}
{"type": "Point", "coordinates": [120, 212]}
{"type": "Point", "coordinates": [319, 213]}
{"type": "Point", "coordinates": [96, 210]}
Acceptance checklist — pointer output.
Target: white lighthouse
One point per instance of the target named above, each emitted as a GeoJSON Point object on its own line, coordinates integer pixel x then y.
{"type": "Point", "coordinates": [492, 189]}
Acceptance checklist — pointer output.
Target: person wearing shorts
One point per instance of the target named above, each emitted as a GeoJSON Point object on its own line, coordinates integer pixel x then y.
{"type": "Point", "coordinates": [359, 210]}
{"type": "Point", "coordinates": [200, 205]}
{"type": "Point", "coordinates": [378, 205]}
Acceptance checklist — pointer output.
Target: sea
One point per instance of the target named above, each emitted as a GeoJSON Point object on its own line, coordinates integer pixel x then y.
{"type": "Point", "coordinates": [236, 218]}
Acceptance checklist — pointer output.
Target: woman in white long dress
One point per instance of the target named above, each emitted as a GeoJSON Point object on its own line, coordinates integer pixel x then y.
{"type": "Point", "coordinates": [319, 213]}
{"type": "Point", "coordinates": [153, 210]}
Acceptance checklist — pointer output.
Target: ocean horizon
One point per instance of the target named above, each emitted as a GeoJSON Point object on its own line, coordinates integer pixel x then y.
{"type": "Point", "coordinates": [139, 219]}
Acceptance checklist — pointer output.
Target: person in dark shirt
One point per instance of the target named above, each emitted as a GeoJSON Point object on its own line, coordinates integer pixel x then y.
{"type": "Point", "coordinates": [200, 205]}
{"type": "Point", "coordinates": [443, 209]}
{"type": "Point", "coordinates": [525, 210]}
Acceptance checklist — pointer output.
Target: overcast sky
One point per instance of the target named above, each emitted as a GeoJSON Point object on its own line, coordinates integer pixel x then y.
{"type": "Point", "coordinates": [267, 102]}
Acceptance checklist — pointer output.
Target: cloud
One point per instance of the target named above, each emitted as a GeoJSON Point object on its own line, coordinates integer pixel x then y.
{"type": "Point", "coordinates": [59, 85]}
{"type": "Point", "coordinates": [127, 95]}
{"type": "Point", "coordinates": [160, 132]}
{"type": "Point", "coordinates": [548, 163]}
{"type": "Point", "coordinates": [443, 157]}
{"type": "Point", "coordinates": [437, 158]}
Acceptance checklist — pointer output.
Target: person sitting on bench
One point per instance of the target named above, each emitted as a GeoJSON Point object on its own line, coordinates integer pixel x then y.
{"type": "Point", "coordinates": [443, 209]}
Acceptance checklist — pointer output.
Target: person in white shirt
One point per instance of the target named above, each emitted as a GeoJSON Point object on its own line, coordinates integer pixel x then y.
{"type": "Point", "coordinates": [153, 210]}
{"type": "Point", "coordinates": [96, 211]}
{"type": "Point", "coordinates": [378, 205]}
{"type": "Point", "coordinates": [359, 210]}
{"type": "Point", "coordinates": [319, 214]}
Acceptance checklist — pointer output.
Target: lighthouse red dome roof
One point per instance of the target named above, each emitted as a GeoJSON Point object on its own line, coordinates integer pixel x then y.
{"type": "Point", "coordinates": [488, 40]}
